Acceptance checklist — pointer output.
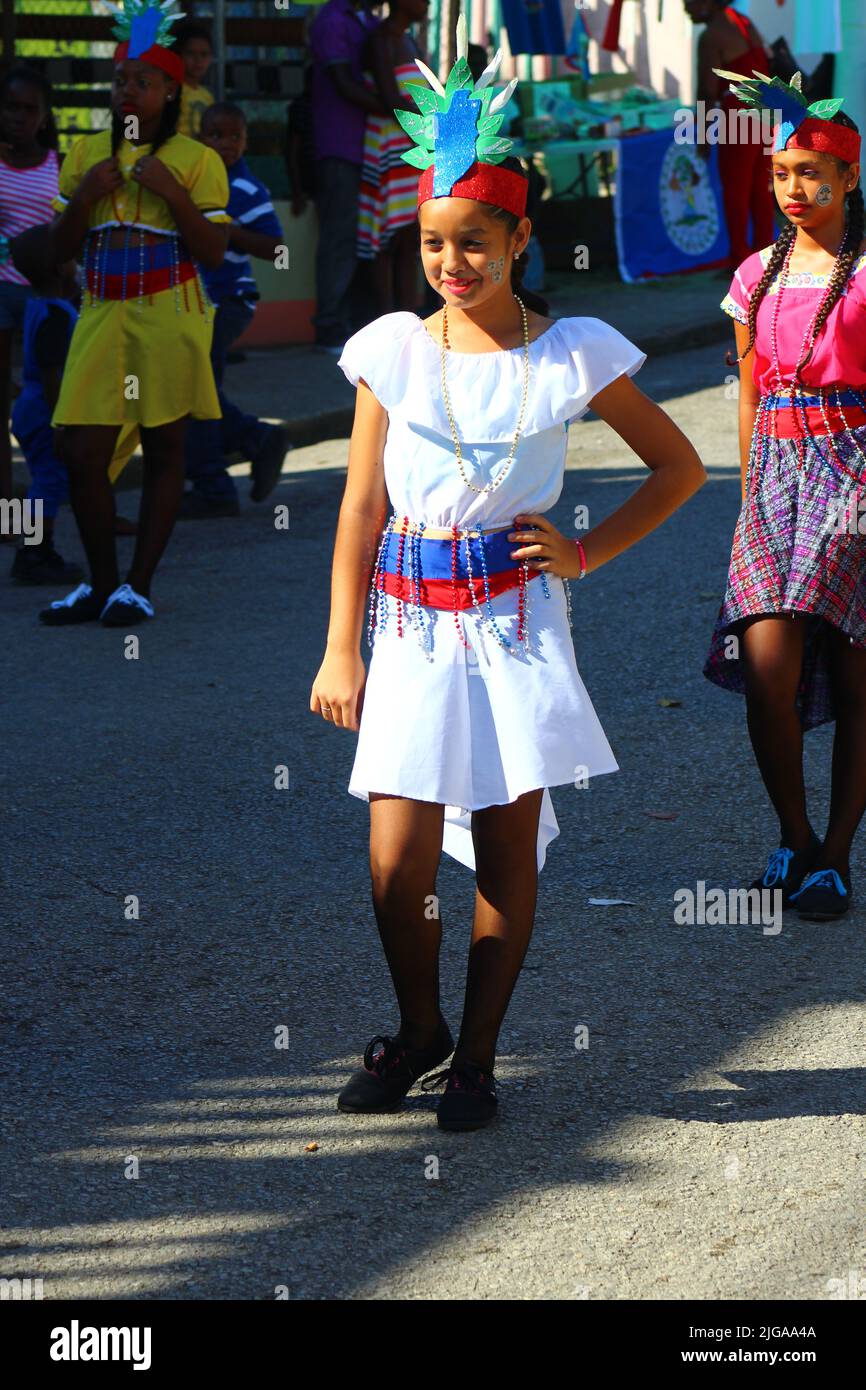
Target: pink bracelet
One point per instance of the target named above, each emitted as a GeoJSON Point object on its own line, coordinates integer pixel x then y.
{"type": "Point", "coordinates": [579, 545]}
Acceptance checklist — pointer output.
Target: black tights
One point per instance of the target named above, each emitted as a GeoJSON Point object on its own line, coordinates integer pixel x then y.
{"type": "Point", "coordinates": [773, 649]}
{"type": "Point", "coordinates": [405, 848]}
{"type": "Point", "coordinates": [87, 451]}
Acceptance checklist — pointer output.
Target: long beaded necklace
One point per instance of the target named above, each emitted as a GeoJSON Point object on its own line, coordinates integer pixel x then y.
{"type": "Point", "coordinates": [522, 633]}
{"type": "Point", "coordinates": [796, 391]}
{"type": "Point", "coordinates": [488, 487]}
{"type": "Point", "coordinates": [378, 595]}
{"type": "Point", "coordinates": [762, 438]}
{"type": "Point", "coordinates": [783, 285]}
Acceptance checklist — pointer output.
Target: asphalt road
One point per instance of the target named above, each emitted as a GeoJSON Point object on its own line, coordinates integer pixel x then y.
{"type": "Point", "coordinates": [706, 1143]}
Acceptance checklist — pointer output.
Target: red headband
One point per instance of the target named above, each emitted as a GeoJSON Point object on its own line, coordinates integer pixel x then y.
{"type": "Point", "coordinates": [157, 56]}
{"type": "Point", "coordinates": [824, 137]}
{"type": "Point", "coordinates": [487, 183]}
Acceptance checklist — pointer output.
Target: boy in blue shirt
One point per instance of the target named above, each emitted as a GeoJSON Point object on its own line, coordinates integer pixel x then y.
{"type": "Point", "coordinates": [255, 231]}
{"type": "Point", "coordinates": [49, 319]}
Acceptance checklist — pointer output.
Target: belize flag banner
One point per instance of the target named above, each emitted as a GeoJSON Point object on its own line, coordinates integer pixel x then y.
{"type": "Point", "coordinates": [667, 207]}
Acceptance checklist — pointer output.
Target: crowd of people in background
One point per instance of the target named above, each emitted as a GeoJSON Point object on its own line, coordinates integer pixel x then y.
{"type": "Point", "coordinates": [365, 192]}
{"type": "Point", "coordinates": [38, 306]}
{"type": "Point", "coordinates": [343, 149]}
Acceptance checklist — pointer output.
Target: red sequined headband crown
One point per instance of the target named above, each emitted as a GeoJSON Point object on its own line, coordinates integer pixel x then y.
{"type": "Point", "coordinates": [824, 137]}
{"type": "Point", "coordinates": [455, 135]}
{"type": "Point", "coordinates": [157, 56]}
{"type": "Point", "coordinates": [486, 183]}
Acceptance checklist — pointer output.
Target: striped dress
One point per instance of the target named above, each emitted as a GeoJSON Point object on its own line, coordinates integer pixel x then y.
{"type": "Point", "coordinates": [389, 186]}
{"type": "Point", "coordinates": [25, 201]}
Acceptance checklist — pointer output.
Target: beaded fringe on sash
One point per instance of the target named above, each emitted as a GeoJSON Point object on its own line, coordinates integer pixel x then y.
{"type": "Point", "coordinates": [464, 571]}
{"type": "Point", "coordinates": [139, 272]}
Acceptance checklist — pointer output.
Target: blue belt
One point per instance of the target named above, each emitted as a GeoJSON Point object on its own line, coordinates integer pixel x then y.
{"type": "Point", "coordinates": [438, 554]}
{"type": "Point", "coordinates": [849, 396]}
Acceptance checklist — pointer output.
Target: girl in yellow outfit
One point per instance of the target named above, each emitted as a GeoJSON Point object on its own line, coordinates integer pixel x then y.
{"type": "Point", "coordinates": [140, 353]}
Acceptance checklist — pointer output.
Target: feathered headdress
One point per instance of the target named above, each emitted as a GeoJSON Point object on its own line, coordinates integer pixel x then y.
{"type": "Point", "coordinates": [455, 135]}
{"type": "Point", "coordinates": [802, 127]}
{"type": "Point", "coordinates": [142, 25]}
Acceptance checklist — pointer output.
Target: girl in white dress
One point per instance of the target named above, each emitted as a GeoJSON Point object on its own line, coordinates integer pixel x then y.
{"type": "Point", "coordinates": [473, 706]}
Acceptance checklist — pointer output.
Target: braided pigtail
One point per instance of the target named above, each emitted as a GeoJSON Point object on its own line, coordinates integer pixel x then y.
{"type": "Point", "coordinates": [842, 270]}
{"type": "Point", "coordinates": [535, 302]}
{"type": "Point", "coordinates": [780, 250]}
{"type": "Point", "coordinates": [168, 122]}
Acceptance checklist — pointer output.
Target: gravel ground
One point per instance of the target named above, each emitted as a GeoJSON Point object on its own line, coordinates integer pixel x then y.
{"type": "Point", "coordinates": [708, 1141]}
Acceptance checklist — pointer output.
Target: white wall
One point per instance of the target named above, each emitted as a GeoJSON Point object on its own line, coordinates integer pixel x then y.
{"type": "Point", "coordinates": [775, 22]}
{"type": "Point", "coordinates": [851, 62]}
{"type": "Point", "coordinates": [660, 53]}
{"type": "Point", "coordinates": [663, 54]}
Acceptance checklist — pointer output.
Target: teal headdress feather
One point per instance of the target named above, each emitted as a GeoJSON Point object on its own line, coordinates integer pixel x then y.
{"type": "Point", "coordinates": [787, 98]}
{"type": "Point", "coordinates": [143, 23]}
{"type": "Point", "coordinates": [458, 122]}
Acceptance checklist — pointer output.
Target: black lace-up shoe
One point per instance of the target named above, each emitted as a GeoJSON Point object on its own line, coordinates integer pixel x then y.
{"type": "Point", "coordinates": [824, 896]}
{"type": "Point", "coordinates": [81, 606]}
{"type": "Point", "coordinates": [41, 564]}
{"type": "Point", "coordinates": [786, 869]}
{"type": "Point", "coordinates": [267, 465]}
{"type": "Point", "coordinates": [390, 1071]}
{"type": "Point", "coordinates": [125, 607]}
{"type": "Point", "coordinates": [469, 1101]}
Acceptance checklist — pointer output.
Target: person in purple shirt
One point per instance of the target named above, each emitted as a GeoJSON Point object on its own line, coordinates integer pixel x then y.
{"type": "Point", "coordinates": [341, 101]}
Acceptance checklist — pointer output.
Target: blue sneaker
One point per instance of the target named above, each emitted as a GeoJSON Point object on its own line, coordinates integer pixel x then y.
{"type": "Point", "coordinates": [823, 896]}
{"type": "Point", "coordinates": [786, 869]}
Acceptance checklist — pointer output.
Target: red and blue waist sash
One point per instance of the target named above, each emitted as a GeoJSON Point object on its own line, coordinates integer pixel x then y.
{"type": "Point", "coordinates": [820, 411]}
{"type": "Point", "coordinates": [137, 269]}
{"type": "Point", "coordinates": [464, 568]}
{"type": "Point", "coordinates": [459, 571]}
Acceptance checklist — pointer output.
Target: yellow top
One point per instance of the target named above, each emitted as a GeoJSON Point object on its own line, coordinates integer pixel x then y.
{"type": "Point", "coordinates": [196, 166]}
{"type": "Point", "coordinates": [194, 101]}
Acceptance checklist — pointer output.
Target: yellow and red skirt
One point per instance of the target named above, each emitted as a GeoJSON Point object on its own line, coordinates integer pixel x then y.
{"type": "Point", "coordinates": [140, 352]}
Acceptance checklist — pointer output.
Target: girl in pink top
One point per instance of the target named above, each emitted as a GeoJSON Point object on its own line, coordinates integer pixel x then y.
{"type": "Point", "coordinates": [29, 172]}
{"type": "Point", "coordinates": [791, 633]}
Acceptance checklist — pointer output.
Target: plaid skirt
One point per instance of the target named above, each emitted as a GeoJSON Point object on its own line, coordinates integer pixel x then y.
{"type": "Point", "coordinates": [799, 547]}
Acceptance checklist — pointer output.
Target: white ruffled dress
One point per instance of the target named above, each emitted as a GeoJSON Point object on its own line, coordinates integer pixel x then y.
{"type": "Point", "coordinates": [477, 727]}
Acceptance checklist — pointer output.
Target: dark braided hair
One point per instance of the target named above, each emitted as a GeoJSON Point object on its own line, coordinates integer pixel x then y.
{"type": "Point", "coordinates": [536, 302]}
{"type": "Point", "coordinates": [47, 135]}
{"type": "Point", "coordinates": [165, 130]}
{"type": "Point", "coordinates": [841, 271]}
